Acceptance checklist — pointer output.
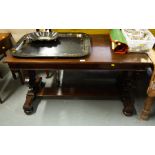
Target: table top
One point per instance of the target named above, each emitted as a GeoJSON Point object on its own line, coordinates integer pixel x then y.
{"type": "Point", "coordinates": [3, 36]}
{"type": "Point", "coordinates": [101, 53]}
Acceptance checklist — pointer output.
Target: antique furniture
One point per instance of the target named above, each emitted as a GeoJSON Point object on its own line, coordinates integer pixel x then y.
{"type": "Point", "coordinates": [150, 90]}
{"type": "Point", "coordinates": [7, 42]}
{"type": "Point", "coordinates": [147, 108]}
{"type": "Point", "coordinates": [101, 57]}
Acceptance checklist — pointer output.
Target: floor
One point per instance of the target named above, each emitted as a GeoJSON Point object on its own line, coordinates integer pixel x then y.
{"type": "Point", "coordinates": [67, 112]}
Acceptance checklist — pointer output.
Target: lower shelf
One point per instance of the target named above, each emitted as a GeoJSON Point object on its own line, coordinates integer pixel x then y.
{"type": "Point", "coordinates": [80, 92]}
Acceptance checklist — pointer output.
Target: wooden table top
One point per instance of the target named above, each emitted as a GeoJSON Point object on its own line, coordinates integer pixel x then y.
{"type": "Point", "coordinates": [100, 53]}
{"type": "Point", "coordinates": [3, 36]}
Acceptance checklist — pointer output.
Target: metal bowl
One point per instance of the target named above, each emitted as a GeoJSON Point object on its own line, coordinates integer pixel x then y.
{"type": "Point", "coordinates": [42, 36]}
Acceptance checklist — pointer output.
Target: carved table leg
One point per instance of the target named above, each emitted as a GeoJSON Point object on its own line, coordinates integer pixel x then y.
{"type": "Point", "coordinates": [126, 91]}
{"type": "Point", "coordinates": [28, 106]}
{"type": "Point", "coordinates": [35, 85]}
{"type": "Point", "coordinates": [147, 108]}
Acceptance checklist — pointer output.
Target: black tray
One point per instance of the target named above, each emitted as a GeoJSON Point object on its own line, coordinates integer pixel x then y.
{"type": "Point", "coordinates": [65, 45]}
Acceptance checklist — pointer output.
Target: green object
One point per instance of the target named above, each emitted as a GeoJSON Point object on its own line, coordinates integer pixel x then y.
{"type": "Point", "coordinates": [117, 35]}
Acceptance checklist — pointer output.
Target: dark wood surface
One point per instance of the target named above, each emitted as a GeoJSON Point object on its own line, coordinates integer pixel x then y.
{"type": "Point", "coordinates": [3, 36]}
{"type": "Point", "coordinates": [5, 42]}
{"type": "Point", "coordinates": [101, 57]}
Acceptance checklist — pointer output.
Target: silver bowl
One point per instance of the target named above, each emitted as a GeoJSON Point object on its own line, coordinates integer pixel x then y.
{"type": "Point", "coordinates": [42, 36]}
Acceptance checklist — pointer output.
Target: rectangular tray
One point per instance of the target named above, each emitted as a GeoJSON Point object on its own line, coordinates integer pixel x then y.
{"type": "Point", "coordinates": [66, 45]}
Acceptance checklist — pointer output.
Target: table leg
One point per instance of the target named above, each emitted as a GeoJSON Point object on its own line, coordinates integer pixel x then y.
{"type": "Point", "coordinates": [35, 85]}
{"type": "Point", "coordinates": [21, 77]}
{"type": "Point", "coordinates": [147, 108]}
{"type": "Point", "coordinates": [28, 105]}
{"type": "Point", "coordinates": [126, 92]}
{"type": "Point", "coordinates": [13, 74]}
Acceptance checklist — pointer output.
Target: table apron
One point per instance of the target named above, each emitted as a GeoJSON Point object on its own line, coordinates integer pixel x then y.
{"type": "Point", "coordinates": [104, 66]}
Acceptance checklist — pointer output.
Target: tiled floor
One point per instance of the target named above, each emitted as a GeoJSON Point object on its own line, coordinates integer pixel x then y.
{"type": "Point", "coordinates": [70, 112]}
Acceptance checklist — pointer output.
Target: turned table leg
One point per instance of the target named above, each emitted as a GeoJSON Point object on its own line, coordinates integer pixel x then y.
{"type": "Point", "coordinates": [147, 108]}
{"type": "Point", "coordinates": [126, 91]}
{"type": "Point", "coordinates": [35, 85]}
